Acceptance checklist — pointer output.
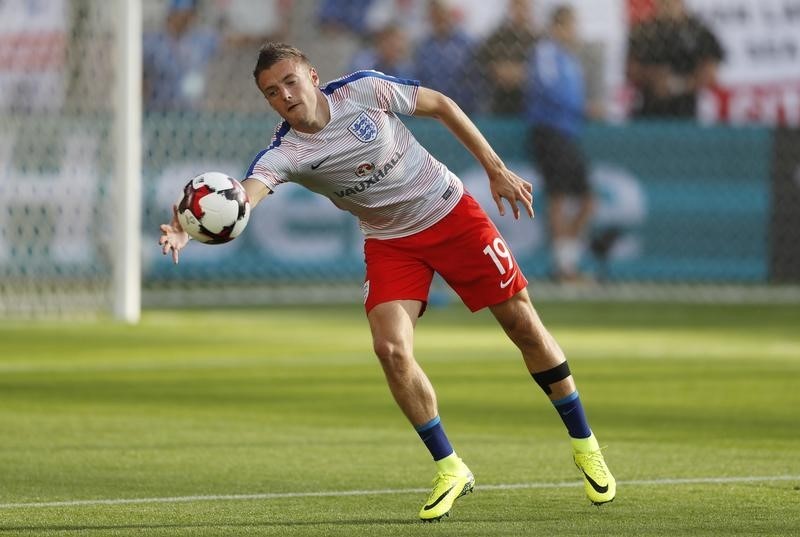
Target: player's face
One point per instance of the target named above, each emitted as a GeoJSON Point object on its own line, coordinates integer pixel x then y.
{"type": "Point", "coordinates": [290, 87]}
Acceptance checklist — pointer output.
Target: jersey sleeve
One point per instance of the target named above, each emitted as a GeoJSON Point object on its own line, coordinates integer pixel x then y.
{"type": "Point", "coordinates": [376, 89]}
{"type": "Point", "coordinates": [271, 166]}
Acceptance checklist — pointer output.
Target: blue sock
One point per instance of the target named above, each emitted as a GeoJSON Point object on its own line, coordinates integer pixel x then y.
{"type": "Point", "coordinates": [571, 411]}
{"type": "Point", "coordinates": [432, 433]}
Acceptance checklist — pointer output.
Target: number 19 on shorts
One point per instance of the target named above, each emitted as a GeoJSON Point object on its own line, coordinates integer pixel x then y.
{"type": "Point", "coordinates": [497, 251]}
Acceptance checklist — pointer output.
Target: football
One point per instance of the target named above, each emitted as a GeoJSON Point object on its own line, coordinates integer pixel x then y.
{"type": "Point", "coordinates": [214, 208]}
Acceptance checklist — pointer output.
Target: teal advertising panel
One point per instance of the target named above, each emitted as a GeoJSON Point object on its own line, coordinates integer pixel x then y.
{"type": "Point", "coordinates": [676, 202]}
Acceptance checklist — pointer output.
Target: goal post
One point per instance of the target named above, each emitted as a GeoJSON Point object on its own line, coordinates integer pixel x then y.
{"type": "Point", "coordinates": [128, 168]}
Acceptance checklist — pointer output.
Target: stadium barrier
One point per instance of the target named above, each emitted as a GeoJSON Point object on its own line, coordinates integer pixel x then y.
{"type": "Point", "coordinates": [677, 202]}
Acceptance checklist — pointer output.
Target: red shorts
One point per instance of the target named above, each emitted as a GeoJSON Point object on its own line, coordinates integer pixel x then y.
{"type": "Point", "coordinates": [464, 247]}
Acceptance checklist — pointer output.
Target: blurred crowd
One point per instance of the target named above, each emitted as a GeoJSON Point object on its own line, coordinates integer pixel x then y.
{"type": "Point", "coordinates": [197, 53]}
{"type": "Point", "coordinates": [531, 60]}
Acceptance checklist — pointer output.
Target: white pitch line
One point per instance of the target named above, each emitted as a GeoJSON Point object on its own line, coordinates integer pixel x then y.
{"type": "Point", "coordinates": [378, 492]}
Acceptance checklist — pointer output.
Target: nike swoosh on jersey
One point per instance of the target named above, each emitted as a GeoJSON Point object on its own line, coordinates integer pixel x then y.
{"type": "Point", "coordinates": [439, 499]}
{"type": "Point", "coordinates": [318, 164]}
{"type": "Point", "coordinates": [504, 284]}
{"type": "Point", "coordinates": [594, 484]}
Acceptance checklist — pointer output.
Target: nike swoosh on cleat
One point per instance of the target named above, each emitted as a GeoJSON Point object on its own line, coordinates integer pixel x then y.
{"type": "Point", "coordinates": [439, 499]}
{"type": "Point", "coordinates": [594, 484]}
{"type": "Point", "coordinates": [318, 164]}
{"type": "Point", "coordinates": [506, 283]}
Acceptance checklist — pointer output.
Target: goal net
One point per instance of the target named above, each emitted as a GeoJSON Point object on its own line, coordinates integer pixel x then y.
{"type": "Point", "coordinates": [61, 110]}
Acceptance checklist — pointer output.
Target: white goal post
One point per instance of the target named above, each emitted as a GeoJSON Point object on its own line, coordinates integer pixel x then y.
{"type": "Point", "coordinates": [128, 163]}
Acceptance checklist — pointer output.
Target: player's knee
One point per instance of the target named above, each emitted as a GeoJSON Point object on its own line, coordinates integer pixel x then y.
{"type": "Point", "coordinates": [525, 332]}
{"type": "Point", "coordinates": [391, 353]}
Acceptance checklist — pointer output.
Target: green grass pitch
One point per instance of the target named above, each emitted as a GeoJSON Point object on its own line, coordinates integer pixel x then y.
{"type": "Point", "coordinates": [278, 422]}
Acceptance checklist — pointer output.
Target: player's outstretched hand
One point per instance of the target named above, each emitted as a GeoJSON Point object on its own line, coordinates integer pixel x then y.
{"type": "Point", "coordinates": [173, 237]}
{"type": "Point", "coordinates": [505, 184]}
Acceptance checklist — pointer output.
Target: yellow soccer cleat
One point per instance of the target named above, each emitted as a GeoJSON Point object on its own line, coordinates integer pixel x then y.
{"type": "Point", "coordinates": [600, 485]}
{"type": "Point", "coordinates": [447, 488]}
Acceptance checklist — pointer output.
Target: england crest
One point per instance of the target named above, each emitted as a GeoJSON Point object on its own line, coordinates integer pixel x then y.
{"type": "Point", "coordinates": [364, 128]}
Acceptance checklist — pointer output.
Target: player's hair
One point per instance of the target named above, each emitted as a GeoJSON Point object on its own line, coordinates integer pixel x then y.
{"type": "Point", "coordinates": [271, 53]}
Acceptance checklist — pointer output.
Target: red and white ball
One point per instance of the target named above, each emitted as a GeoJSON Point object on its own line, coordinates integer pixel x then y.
{"type": "Point", "coordinates": [214, 208]}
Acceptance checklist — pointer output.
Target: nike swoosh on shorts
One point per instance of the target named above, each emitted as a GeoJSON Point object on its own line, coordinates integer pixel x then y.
{"type": "Point", "coordinates": [504, 284]}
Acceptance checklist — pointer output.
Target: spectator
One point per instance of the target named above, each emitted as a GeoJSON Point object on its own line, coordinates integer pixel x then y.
{"type": "Point", "coordinates": [243, 25]}
{"type": "Point", "coordinates": [444, 60]}
{"type": "Point", "coordinates": [390, 53]}
{"type": "Point", "coordinates": [342, 28]}
{"type": "Point", "coordinates": [34, 37]}
{"type": "Point", "coordinates": [175, 60]}
{"type": "Point", "coordinates": [246, 24]}
{"type": "Point", "coordinates": [348, 16]}
{"type": "Point", "coordinates": [592, 55]}
{"type": "Point", "coordinates": [670, 58]}
{"type": "Point", "coordinates": [503, 57]}
{"type": "Point", "coordinates": [556, 112]}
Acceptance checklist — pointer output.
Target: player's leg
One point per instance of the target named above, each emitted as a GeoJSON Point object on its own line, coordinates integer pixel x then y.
{"type": "Point", "coordinates": [548, 366]}
{"type": "Point", "coordinates": [477, 264]}
{"type": "Point", "coordinates": [392, 324]}
{"type": "Point", "coordinates": [395, 295]}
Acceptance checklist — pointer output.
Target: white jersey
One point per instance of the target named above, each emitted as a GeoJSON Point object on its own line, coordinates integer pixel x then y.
{"type": "Point", "coordinates": [365, 160]}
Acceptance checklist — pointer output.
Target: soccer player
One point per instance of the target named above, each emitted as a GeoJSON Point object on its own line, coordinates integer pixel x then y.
{"type": "Point", "coordinates": [345, 141]}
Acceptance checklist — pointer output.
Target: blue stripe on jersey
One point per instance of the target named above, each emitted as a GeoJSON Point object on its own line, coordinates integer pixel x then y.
{"type": "Point", "coordinates": [282, 130]}
{"type": "Point", "coordinates": [333, 86]}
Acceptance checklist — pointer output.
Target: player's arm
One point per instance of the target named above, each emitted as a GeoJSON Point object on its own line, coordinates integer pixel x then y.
{"type": "Point", "coordinates": [256, 191]}
{"type": "Point", "coordinates": [174, 239]}
{"type": "Point", "coordinates": [503, 183]}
